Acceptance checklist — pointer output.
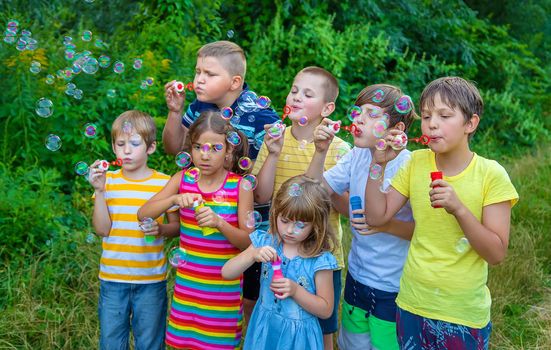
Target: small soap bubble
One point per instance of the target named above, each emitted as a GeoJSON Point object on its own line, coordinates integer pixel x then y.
{"type": "Point", "coordinates": [69, 54]}
{"type": "Point", "coordinates": [298, 228]}
{"type": "Point", "coordinates": [403, 104]}
{"type": "Point", "coordinates": [354, 112]}
{"type": "Point", "coordinates": [235, 120]}
{"type": "Point", "coordinates": [380, 144]}
{"type": "Point", "coordinates": [303, 121]}
{"type": "Point", "coordinates": [183, 159]}
{"type": "Point", "coordinates": [295, 190]}
{"type": "Point", "coordinates": [146, 224]}
{"type": "Point", "coordinates": [21, 45]}
{"type": "Point", "coordinates": [99, 44]}
{"type": "Point", "coordinates": [78, 94]}
{"type": "Point", "coordinates": [399, 141]}
{"type": "Point", "coordinates": [90, 130]}
{"type": "Point", "coordinates": [144, 85]}
{"type": "Point", "coordinates": [386, 118]}
{"type": "Point", "coordinates": [35, 67]}
{"type": "Point", "coordinates": [26, 33]}
{"type": "Point", "coordinates": [276, 130]}
{"type": "Point", "coordinates": [219, 197]}
{"type": "Point", "coordinates": [379, 128]}
{"type": "Point", "coordinates": [375, 171]}
{"type": "Point", "coordinates": [205, 148]}
{"type": "Point", "coordinates": [376, 112]}
{"type": "Point", "coordinates": [302, 145]}
{"type": "Point", "coordinates": [104, 61]}
{"type": "Point", "coordinates": [90, 66]}
{"type": "Point", "coordinates": [342, 150]}
{"type": "Point", "coordinates": [111, 93]}
{"type": "Point", "coordinates": [263, 102]}
{"type": "Point", "coordinates": [385, 186]}
{"type": "Point", "coordinates": [177, 257]}
{"type": "Point", "coordinates": [9, 39]}
{"type": "Point", "coordinates": [50, 79]}
{"type": "Point", "coordinates": [90, 238]}
{"type": "Point", "coordinates": [379, 96]}
{"type": "Point", "coordinates": [127, 127]}
{"type": "Point", "coordinates": [251, 118]}
{"type": "Point", "coordinates": [226, 113]}
{"type": "Point", "coordinates": [86, 35]}
{"type": "Point", "coordinates": [245, 163]}
{"type": "Point", "coordinates": [254, 219]}
{"type": "Point", "coordinates": [233, 138]}
{"type": "Point", "coordinates": [149, 81]}
{"type": "Point", "coordinates": [248, 182]}
{"type": "Point", "coordinates": [81, 168]}
{"type": "Point", "coordinates": [462, 245]}
{"type": "Point", "coordinates": [53, 142]}
{"type": "Point", "coordinates": [118, 67]}
{"type": "Point", "coordinates": [137, 64]}
{"type": "Point", "coordinates": [32, 44]}
{"type": "Point", "coordinates": [230, 34]}
{"type": "Point", "coordinates": [193, 175]}
{"type": "Point", "coordinates": [44, 107]}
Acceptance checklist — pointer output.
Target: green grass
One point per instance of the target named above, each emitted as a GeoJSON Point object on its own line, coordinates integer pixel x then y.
{"type": "Point", "coordinates": [49, 300]}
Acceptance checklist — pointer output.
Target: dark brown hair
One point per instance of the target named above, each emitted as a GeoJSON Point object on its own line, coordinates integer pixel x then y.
{"type": "Point", "coordinates": [313, 204]}
{"type": "Point", "coordinates": [213, 121]}
{"type": "Point", "coordinates": [389, 97]}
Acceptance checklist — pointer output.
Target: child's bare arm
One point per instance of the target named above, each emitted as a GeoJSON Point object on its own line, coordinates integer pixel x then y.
{"type": "Point", "coordinates": [398, 228]}
{"type": "Point", "coordinates": [489, 238]}
{"type": "Point", "coordinates": [381, 207]}
{"type": "Point", "coordinates": [320, 304]}
{"type": "Point", "coordinates": [322, 140]}
{"type": "Point", "coordinates": [174, 132]}
{"type": "Point", "coordinates": [236, 265]}
{"type": "Point", "coordinates": [101, 218]}
{"type": "Point", "coordinates": [163, 200]}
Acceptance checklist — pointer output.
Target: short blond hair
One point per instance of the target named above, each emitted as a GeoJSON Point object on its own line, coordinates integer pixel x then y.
{"type": "Point", "coordinates": [230, 55]}
{"type": "Point", "coordinates": [140, 121]}
{"type": "Point", "coordinates": [330, 85]}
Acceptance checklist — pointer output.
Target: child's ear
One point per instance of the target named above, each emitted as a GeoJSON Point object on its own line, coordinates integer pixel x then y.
{"type": "Point", "coordinates": [400, 126]}
{"type": "Point", "coordinates": [472, 124]}
{"type": "Point", "coordinates": [152, 148]}
{"type": "Point", "coordinates": [236, 82]}
{"type": "Point", "coordinates": [328, 108]}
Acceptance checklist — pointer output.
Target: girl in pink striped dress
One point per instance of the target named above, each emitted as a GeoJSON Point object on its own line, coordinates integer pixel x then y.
{"type": "Point", "coordinates": [206, 311]}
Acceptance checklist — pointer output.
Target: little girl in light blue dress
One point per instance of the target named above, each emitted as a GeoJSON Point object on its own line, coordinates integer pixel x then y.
{"type": "Point", "coordinates": [286, 313]}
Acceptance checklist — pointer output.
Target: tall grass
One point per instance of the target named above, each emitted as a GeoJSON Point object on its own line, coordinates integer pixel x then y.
{"type": "Point", "coordinates": [49, 300]}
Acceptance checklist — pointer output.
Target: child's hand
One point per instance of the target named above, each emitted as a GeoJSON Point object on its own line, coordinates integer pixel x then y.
{"type": "Point", "coordinates": [382, 157]}
{"type": "Point", "coordinates": [284, 288]}
{"type": "Point", "coordinates": [361, 226]}
{"type": "Point", "coordinates": [206, 217]}
{"type": "Point", "coordinates": [174, 100]}
{"type": "Point", "coordinates": [442, 195]}
{"type": "Point", "coordinates": [96, 176]}
{"type": "Point", "coordinates": [186, 200]}
{"type": "Point", "coordinates": [151, 230]}
{"type": "Point", "coordinates": [323, 135]}
{"type": "Point", "coordinates": [274, 145]}
{"type": "Point", "coordinates": [265, 254]}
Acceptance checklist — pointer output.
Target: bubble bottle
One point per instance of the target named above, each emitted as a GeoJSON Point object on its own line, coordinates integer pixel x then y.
{"type": "Point", "coordinates": [206, 230]}
{"type": "Point", "coordinates": [145, 225]}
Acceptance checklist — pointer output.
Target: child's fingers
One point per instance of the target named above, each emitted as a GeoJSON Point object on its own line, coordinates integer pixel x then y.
{"type": "Point", "coordinates": [169, 84]}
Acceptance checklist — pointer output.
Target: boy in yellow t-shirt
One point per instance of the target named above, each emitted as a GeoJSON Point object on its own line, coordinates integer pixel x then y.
{"type": "Point", "coordinates": [312, 98]}
{"type": "Point", "coordinates": [462, 223]}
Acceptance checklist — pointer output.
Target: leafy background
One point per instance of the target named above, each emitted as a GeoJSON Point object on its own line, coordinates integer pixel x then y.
{"type": "Point", "coordinates": [48, 272]}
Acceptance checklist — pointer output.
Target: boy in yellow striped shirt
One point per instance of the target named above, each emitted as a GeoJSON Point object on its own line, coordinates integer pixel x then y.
{"type": "Point", "coordinates": [132, 269]}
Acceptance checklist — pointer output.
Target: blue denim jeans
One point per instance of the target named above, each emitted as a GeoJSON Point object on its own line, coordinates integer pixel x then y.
{"type": "Point", "coordinates": [142, 305]}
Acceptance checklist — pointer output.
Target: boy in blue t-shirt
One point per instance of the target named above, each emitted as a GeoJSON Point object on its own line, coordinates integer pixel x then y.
{"type": "Point", "coordinates": [220, 82]}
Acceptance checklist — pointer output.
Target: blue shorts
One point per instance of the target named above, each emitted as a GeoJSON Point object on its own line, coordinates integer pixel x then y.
{"type": "Point", "coordinates": [331, 324]}
{"type": "Point", "coordinates": [417, 332]}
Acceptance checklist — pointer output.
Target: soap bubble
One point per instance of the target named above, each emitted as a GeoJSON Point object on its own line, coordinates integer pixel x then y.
{"type": "Point", "coordinates": [193, 175]}
{"type": "Point", "coordinates": [50, 79]}
{"type": "Point", "coordinates": [303, 121]}
{"type": "Point", "coordinates": [233, 138]}
{"type": "Point", "coordinates": [219, 197]}
{"type": "Point", "coordinates": [44, 107]}
{"type": "Point", "coordinates": [90, 66]}
{"type": "Point", "coordinates": [111, 93]}
{"type": "Point", "coordinates": [245, 163]}
{"type": "Point", "coordinates": [230, 34]}
{"type": "Point", "coordinates": [183, 159]}
{"type": "Point", "coordinates": [299, 226]}
{"type": "Point", "coordinates": [254, 219]}
{"type": "Point", "coordinates": [177, 257]}
{"type": "Point", "coordinates": [380, 144]}
{"type": "Point", "coordinates": [53, 142]}
{"type": "Point", "coordinates": [90, 130]}
{"type": "Point", "coordinates": [86, 35]}
{"type": "Point", "coordinates": [354, 112]}
{"type": "Point", "coordinates": [251, 118]}
{"type": "Point", "coordinates": [263, 102]}
{"type": "Point", "coordinates": [35, 67]}
{"type": "Point", "coordinates": [379, 128]}
{"type": "Point", "coordinates": [118, 67]}
{"type": "Point", "coordinates": [248, 182]}
{"type": "Point", "coordinates": [226, 113]}
{"type": "Point", "coordinates": [90, 238]}
{"type": "Point", "coordinates": [399, 141]}
{"type": "Point", "coordinates": [276, 130]}
{"type": "Point", "coordinates": [375, 171]}
{"type": "Point", "coordinates": [462, 245]}
{"type": "Point", "coordinates": [295, 190]}
{"type": "Point", "coordinates": [302, 145]}
{"type": "Point", "coordinates": [403, 104]}
{"type": "Point", "coordinates": [137, 64]}
{"type": "Point", "coordinates": [379, 96]}
{"type": "Point", "coordinates": [104, 61]}
{"type": "Point", "coordinates": [385, 186]}
{"type": "Point", "coordinates": [81, 168]}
